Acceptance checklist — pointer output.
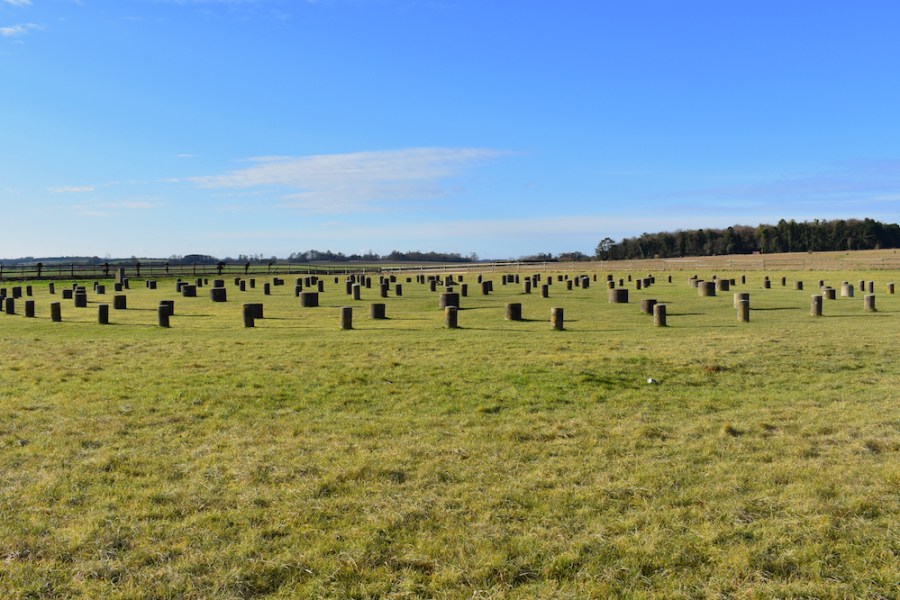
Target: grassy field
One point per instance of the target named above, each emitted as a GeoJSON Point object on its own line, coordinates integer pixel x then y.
{"type": "Point", "coordinates": [498, 460]}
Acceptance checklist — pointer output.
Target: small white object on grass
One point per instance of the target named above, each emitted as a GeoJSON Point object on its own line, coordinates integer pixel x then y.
{"type": "Point", "coordinates": [651, 380]}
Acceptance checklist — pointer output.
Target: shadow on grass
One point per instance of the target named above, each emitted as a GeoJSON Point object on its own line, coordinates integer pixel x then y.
{"type": "Point", "coordinates": [862, 316]}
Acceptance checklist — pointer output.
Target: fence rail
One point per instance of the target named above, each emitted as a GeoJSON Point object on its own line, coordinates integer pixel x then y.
{"type": "Point", "coordinates": [858, 261]}
{"type": "Point", "coordinates": [153, 270]}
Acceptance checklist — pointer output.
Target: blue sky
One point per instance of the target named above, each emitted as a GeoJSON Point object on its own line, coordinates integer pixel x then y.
{"type": "Point", "coordinates": [499, 127]}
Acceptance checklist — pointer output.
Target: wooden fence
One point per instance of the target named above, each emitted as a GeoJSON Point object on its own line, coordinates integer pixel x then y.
{"type": "Point", "coordinates": [825, 261]}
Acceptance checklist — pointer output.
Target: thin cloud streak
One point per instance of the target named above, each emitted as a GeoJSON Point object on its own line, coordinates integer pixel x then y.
{"type": "Point", "coordinates": [72, 189]}
{"type": "Point", "coordinates": [358, 181]}
{"type": "Point", "coordinates": [105, 208]}
{"type": "Point", "coordinates": [13, 31]}
{"type": "Point", "coordinates": [852, 179]}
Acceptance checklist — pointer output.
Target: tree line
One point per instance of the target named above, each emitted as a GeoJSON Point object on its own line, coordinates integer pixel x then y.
{"type": "Point", "coordinates": [786, 236]}
{"type": "Point", "coordinates": [395, 255]}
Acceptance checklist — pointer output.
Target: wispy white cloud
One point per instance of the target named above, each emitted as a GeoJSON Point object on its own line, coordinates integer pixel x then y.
{"type": "Point", "coordinates": [131, 205]}
{"type": "Point", "coordinates": [841, 181]}
{"type": "Point", "coordinates": [16, 2]}
{"type": "Point", "coordinates": [354, 181]}
{"type": "Point", "coordinates": [72, 189]}
{"type": "Point", "coordinates": [12, 31]}
{"type": "Point", "coordinates": [103, 209]}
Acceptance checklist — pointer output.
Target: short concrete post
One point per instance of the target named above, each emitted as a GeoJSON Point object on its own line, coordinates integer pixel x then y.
{"type": "Point", "coordinates": [448, 299]}
{"type": "Point", "coordinates": [170, 306]}
{"type": "Point", "coordinates": [706, 288]}
{"type": "Point", "coordinates": [739, 297]}
{"type": "Point", "coordinates": [815, 305]}
{"type": "Point", "coordinates": [356, 291]}
{"type": "Point", "coordinates": [647, 305]}
{"type": "Point", "coordinates": [51, 287]}
{"type": "Point", "coordinates": [451, 317]}
{"type": "Point", "coordinates": [618, 296]}
{"type": "Point", "coordinates": [659, 315]}
{"type": "Point", "coordinates": [798, 285]}
{"type": "Point", "coordinates": [743, 311]}
{"type": "Point", "coordinates": [103, 314]}
{"type": "Point", "coordinates": [398, 289]}
{"type": "Point", "coordinates": [29, 309]}
{"type": "Point", "coordinates": [556, 318]}
{"type": "Point", "coordinates": [545, 291]}
{"type": "Point", "coordinates": [10, 306]}
{"type": "Point", "coordinates": [309, 299]}
{"type": "Point", "coordinates": [248, 314]}
{"type": "Point", "coordinates": [377, 311]}
{"type": "Point", "coordinates": [890, 288]}
{"type": "Point", "coordinates": [218, 294]}
{"type": "Point", "coordinates": [846, 290]}
{"type": "Point", "coordinates": [513, 311]}
{"type": "Point", "coordinates": [869, 300]}
{"type": "Point", "coordinates": [346, 317]}
{"type": "Point", "coordinates": [163, 315]}
{"type": "Point", "coordinates": [55, 312]}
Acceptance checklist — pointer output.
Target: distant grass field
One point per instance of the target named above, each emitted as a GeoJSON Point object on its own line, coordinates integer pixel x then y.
{"type": "Point", "coordinates": [499, 460]}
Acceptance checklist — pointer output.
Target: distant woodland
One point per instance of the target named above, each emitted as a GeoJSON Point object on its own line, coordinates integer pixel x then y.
{"type": "Point", "coordinates": [786, 236]}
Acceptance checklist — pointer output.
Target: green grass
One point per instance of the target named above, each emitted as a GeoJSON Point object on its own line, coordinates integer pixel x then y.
{"type": "Point", "coordinates": [498, 460]}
